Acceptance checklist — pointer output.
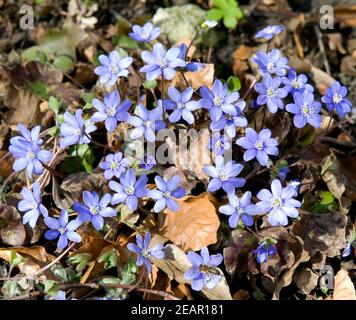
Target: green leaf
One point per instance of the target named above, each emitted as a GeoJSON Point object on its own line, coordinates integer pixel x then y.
{"type": "Point", "coordinates": [126, 42]}
{"type": "Point", "coordinates": [65, 63]}
{"type": "Point", "coordinates": [150, 84]}
{"type": "Point", "coordinates": [215, 14]}
{"type": "Point", "coordinates": [54, 131]}
{"type": "Point", "coordinates": [80, 260]}
{"type": "Point", "coordinates": [230, 21]}
{"type": "Point", "coordinates": [60, 272]}
{"type": "Point", "coordinates": [326, 202]}
{"type": "Point", "coordinates": [51, 287]}
{"type": "Point", "coordinates": [109, 258]}
{"type": "Point", "coordinates": [84, 161]}
{"type": "Point", "coordinates": [41, 57]}
{"type": "Point", "coordinates": [88, 97]}
{"type": "Point", "coordinates": [15, 259]}
{"type": "Point", "coordinates": [129, 273]}
{"type": "Point", "coordinates": [233, 83]}
{"type": "Point", "coordinates": [220, 3]}
{"type": "Point", "coordinates": [54, 104]}
{"type": "Point", "coordinates": [38, 88]}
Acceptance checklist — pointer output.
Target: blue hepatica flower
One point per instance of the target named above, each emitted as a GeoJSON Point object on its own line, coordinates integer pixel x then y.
{"type": "Point", "coordinates": [63, 229]}
{"type": "Point", "coordinates": [31, 204]}
{"type": "Point", "coordinates": [224, 175]}
{"type": "Point", "coordinates": [283, 172]}
{"type": "Point", "coordinates": [182, 105]}
{"type": "Point", "coordinates": [32, 136]}
{"type": "Point", "coordinates": [28, 156]}
{"type": "Point", "coordinates": [258, 145]}
{"type": "Point", "coordinates": [129, 190]}
{"type": "Point", "coordinates": [144, 252]}
{"type": "Point", "coordinates": [335, 99]}
{"type": "Point", "coordinates": [159, 62]}
{"type": "Point", "coordinates": [61, 295]}
{"type": "Point", "coordinates": [112, 67]}
{"type": "Point", "coordinates": [240, 209]}
{"type": "Point", "coordinates": [114, 165]}
{"type": "Point", "coordinates": [305, 109]}
{"type": "Point", "coordinates": [203, 270]}
{"type": "Point", "coordinates": [264, 250]}
{"type": "Point", "coordinates": [296, 83]}
{"type": "Point", "coordinates": [148, 162]}
{"type": "Point", "coordinates": [94, 209]}
{"type": "Point", "coordinates": [270, 93]}
{"type": "Point", "coordinates": [347, 250]}
{"type": "Point", "coordinates": [269, 32]}
{"type": "Point", "coordinates": [229, 123]}
{"type": "Point", "coordinates": [111, 111]}
{"type": "Point", "coordinates": [272, 62]}
{"type": "Point", "coordinates": [219, 143]}
{"type": "Point", "coordinates": [219, 100]}
{"type": "Point", "coordinates": [279, 204]}
{"type": "Point", "coordinates": [146, 123]}
{"type": "Point", "coordinates": [146, 33]}
{"type": "Point", "coordinates": [75, 130]}
{"type": "Point", "coordinates": [167, 191]}
{"type": "Point", "coordinates": [191, 66]}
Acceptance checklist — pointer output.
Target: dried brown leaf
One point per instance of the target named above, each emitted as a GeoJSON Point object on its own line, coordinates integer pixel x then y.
{"type": "Point", "coordinates": [343, 287]}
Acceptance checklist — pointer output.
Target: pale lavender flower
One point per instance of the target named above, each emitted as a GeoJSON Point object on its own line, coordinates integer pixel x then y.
{"type": "Point", "coordinates": [114, 165]}
{"type": "Point", "coordinates": [335, 98]}
{"type": "Point", "coordinates": [112, 67]}
{"type": "Point", "coordinates": [258, 145]}
{"type": "Point", "coordinates": [279, 205]}
{"type": "Point", "coordinates": [191, 66]}
{"type": "Point", "coordinates": [32, 136]}
{"type": "Point", "coordinates": [219, 143]}
{"type": "Point", "coordinates": [272, 62]}
{"type": "Point", "coordinates": [146, 33]}
{"type": "Point", "coordinates": [148, 162]}
{"type": "Point", "coordinates": [269, 32]}
{"type": "Point", "coordinates": [296, 83]}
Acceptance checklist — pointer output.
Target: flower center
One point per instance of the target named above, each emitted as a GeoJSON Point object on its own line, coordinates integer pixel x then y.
{"type": "Point", "coordinates": [180, 105]}
{"type": "Point", "coordinates": [337, 98]}
{"type": "Point", "coordinates": [145, 35]}
{"type": "Point", "coordinates": [111, 111]}
{"type": "Point", "coordinates": [94, 210]}
{"type": "Point", "coordinates": [240, 210]}
{"type": "Point", "coordinates": [163, 63]}
{"type": "Point", "coordinates": [145, 253]}
{"type": "Point", "coordinates": [62, 230]}
{"type": "Point", "coordinates": [31, 155]}
{"type": "Point", "coordinates": [147, 124]}
{"type": "Point", "coordinates": [270, 93]}
{"type": "Point", "coordinates": [77, 132]}
{"type": "Point", "coordinates": [270, 66]}
{"type": "Point", "coordinates": [114, 68]}
{"type": "Point", "coordinates": [277, 203]}
{"type": "Point", "coordinates": [34, 205]}
{"type": "Point", "coordinates": [113, 165]}
{"type": "Point", "coordinates": [167, 194]}
{"type": "Point", "coordinates": [219, 144]}
{"type": "Point", "coordinates": [223, 176]}
{"type": "Point", "coordinates": [259, 145]}
{"type": "Point", "coordinates": [296, 84]}
{"type": "Point", "coordinates": [218, 101]}
{"type": "Point", "coordinates": [306, 110]}
{"type": "Point", "coordinates": [130, 190]}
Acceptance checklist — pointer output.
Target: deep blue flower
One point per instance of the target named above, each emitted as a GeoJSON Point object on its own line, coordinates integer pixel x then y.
{"type": "Point", "coordinates": [229, 123]}
{"type": "Point", "coordinates": [279, 204]}
{"type": "Point", "coordinates": [112, 67]}
{"type": "Point", "coordinates": [306, 110]}
{"type": "Point", "coordinates": [63, 229]}
{"type": "Point", "coordinates": [75, 130]}
{"type": "Point", "coordinates": [111, 111]}
{"type": "Point", "coordinates": [240, 209]}
{"type": "Point", "coordinates": [148, 162]}
{"type": "Point", "coordinates": [94, 209]}
{"type": "Point", "coordinates": [167, 191]}
{"type": "Point", "coordinates": [32, 205]}
{"type": "Point", "coordinates": [269, 32]}
{"type": "Point", "coordinates": [270, 93]}
{"type": "Point", "coordinates": [28, 155]}
{"type": "Point", "coordinates": [219, 143]}
{"type": "Point", "coordinates": [129, 190]}
{"type": "Point", "coordinates": [272, 62]}
{"type": "Point", "coordinates": [296, 83]}
{"type": "Point", "coordinates": [144, 252]}
{"type": "Point", "coordinates": [159, 62]}
{"type": "Point", "coordinates": [146, 33]}
{"type": "Point", "coordinates": [182, 105]}
{"type": "Point", "coordinates": [335, 99]}
{"type": "Point", "coordinates": [224, 175]}
{"type": "Point", "coordinates": [203, 271]}
{"type": "Point", "coordinates": [146, 123]}
{"type": "Point", "coordinates": [258, 146]}
{"type": "Point", "coordinates": [283, 172]}
{"type": "Point", "coordinates": [32, 136]}
{"type": "Point", "coordinates": [264, 250]}
{"type": "Point", "coordinates": [114, 165]}
{"type": "Point", "coordinates": [219, 100]}
{"type": "Point", "coordinates": [191, 66]}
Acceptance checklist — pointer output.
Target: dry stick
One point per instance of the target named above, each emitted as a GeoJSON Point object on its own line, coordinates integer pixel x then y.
{"type": "Point", "coordinates": [185, 79]}
{"type": "Point", "coordinates": [322, 49]}
{"type": "Point", "coordinates": [46, 267]}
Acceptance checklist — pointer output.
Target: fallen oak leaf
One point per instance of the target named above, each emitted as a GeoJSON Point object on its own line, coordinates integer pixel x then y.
{"type": "Point", "coordinates": [343, 287]}
{"type": "Point", "coordinates": [203, 77]}
{"type": "Point", "coordinates": [194, 225]}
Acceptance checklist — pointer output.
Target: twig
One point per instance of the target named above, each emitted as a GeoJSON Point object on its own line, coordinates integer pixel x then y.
{"type": "Point", "coordinates": [322, 49]}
